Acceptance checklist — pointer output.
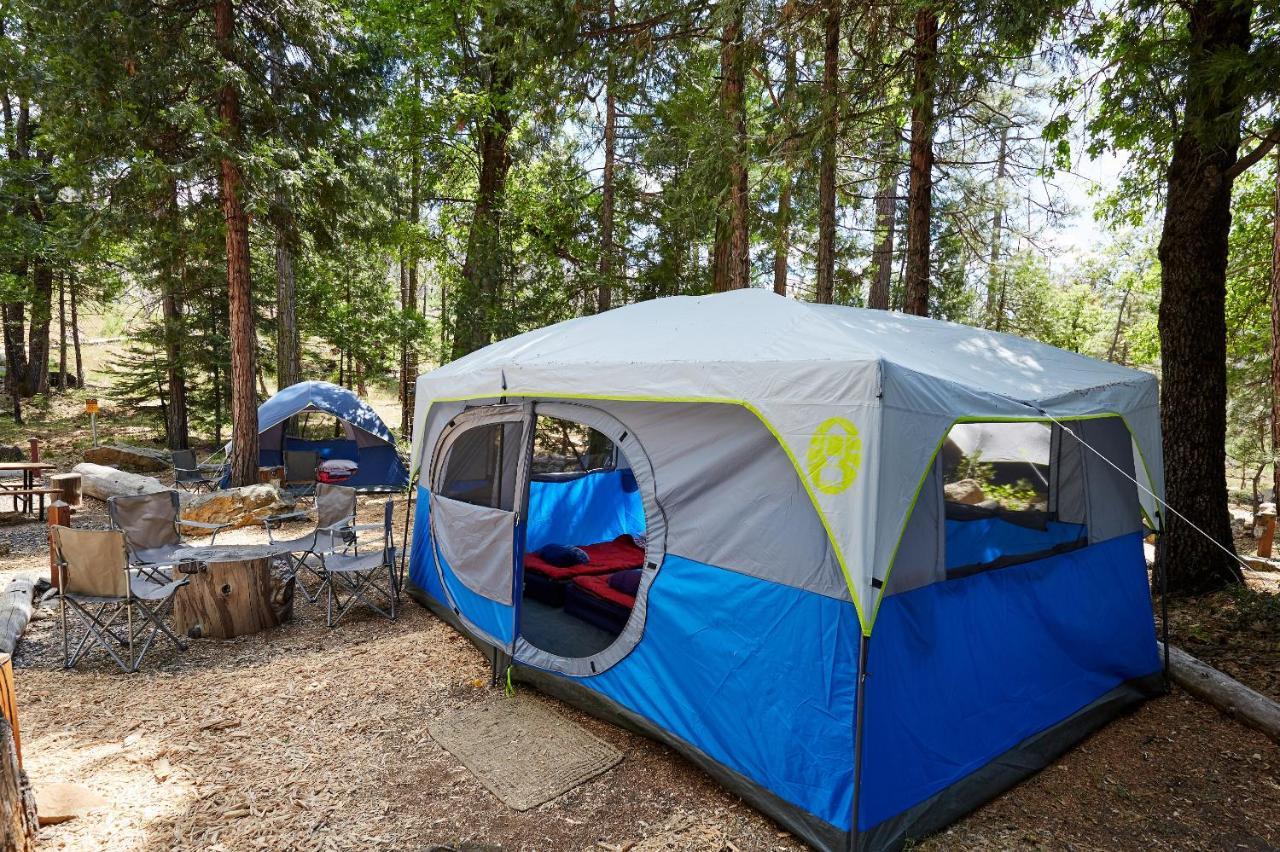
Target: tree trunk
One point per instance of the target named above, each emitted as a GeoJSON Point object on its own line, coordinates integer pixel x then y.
{"type": "Point", "coordinates": [244, 403]}
{"type": "Point", "coordinates": [1192, 321]}
{"type": "Point", "coordinates": [62, 333]}
{"type": "Point", "coordinates": [37, 375]}
{"type": "Point", "coordinates": [827, 167]}
{"type": "Point", "coordinates": [732, 247]}
{"type": "Point", "coordinates": [995, 278]}
{"type": "Point", "coordinates": [409, 285]}
{"type": "Point", "coordinates": [920, 193]}
{"type": "Point", "coordinates": [886, 220]}
{"type": "Point", "coordinates": [782, 244]}
{"type": "Point", "coordinates": [176, 428]}
{"type": "Point", "coordinates": [75, 330]}
{"type": "Point", "coordinates": [288, 344]}
{"type": "Point", "coordinates": [1275, 341]}
{"type": "Point", "coordinates": [479, 298]}
{"type": "Point", "coordinates": [15, 351]}
{"type": "Point", "coordinates": [604, 292]}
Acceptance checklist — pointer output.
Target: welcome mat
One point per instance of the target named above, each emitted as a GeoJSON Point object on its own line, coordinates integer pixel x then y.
{"type": "Point", "coordinates": [521, 751]}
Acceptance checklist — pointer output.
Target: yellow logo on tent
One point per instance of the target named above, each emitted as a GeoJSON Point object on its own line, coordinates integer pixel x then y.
{"type": "Point", "coordinates": [835, 455]}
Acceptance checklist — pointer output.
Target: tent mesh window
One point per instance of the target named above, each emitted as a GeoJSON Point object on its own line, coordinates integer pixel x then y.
{"type": "Point", "coordinates": [563, 447]}
{"type": "Point", "coordinates": [1002, 494]}
{"type": "Point", "coordinates": [481, 466]}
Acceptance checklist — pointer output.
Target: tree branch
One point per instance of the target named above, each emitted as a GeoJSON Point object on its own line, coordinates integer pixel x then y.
{"type": "Point", "coordinates": [1259, 151]}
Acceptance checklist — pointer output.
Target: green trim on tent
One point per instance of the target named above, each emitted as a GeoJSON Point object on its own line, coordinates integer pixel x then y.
{"type": "Point", "coordinates": [777, 436]}
{"type": "Point", "coordinates": [915, 497]}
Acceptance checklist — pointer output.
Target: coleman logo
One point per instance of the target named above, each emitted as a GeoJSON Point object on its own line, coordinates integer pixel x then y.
{"type": "Point", "coordinates": [834, 456]}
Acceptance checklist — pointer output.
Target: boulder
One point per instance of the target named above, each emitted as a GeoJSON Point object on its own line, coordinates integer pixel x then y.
{"type": "Point", "coordinates": [103, 482]}
{"type": "Point", "coordinates": [966, 491]}
{"type": "Point", "coordinates": [240, 507]}
{"type": "Point", "coordinates": [59, 801]}
{"type": "Point", "coordinates": [126, 457]}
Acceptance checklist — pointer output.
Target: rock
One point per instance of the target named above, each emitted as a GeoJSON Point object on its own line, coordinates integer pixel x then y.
{"type": "Point", "coordinates": [240, 507]}
{"type": "Point", "coordinates": [129, 458]}
{"type": "Point", "coordinates": [104, 482]}
{"type": "Point", "coordinates": [59, 802]}
{"type": "Point", "coordinates": [1259, 563]}
{"type": "Point", "coordinates": [966, 491]}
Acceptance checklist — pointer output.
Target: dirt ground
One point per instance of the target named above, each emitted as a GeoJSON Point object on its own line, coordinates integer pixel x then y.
{"type": "Point", "coordinates": [310, 738]}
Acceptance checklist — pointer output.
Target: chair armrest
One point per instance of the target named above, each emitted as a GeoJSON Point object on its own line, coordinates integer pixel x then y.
{"type": "Point", "coordinates": [202, 525]}
{"type": "Point", "coordinates": [344, 524]}
{"type": "Point", "coordinates": [271, 520]}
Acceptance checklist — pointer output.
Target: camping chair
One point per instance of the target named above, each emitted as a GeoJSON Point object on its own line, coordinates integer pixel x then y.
{"type": "Point", "coordinates": [300, 472]}
{"type": "Point", "coordinates": [152, 524]}
{"type": "Point", "coordinates": [335, 514]}
{"type": "Point", "coordinates": [97, 586]}
{"type": "Point", "coordinates": [187, 473]}
{"type": "Point", "coordinates": [358, 576]}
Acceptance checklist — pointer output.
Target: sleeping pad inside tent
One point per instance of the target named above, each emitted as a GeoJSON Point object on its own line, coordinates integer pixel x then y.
{"type": "Point", "coordinates": [867, 570]}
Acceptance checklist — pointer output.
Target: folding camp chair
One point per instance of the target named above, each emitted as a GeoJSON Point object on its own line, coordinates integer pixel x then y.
{"type": "Point", "coordinates": [187, 473]}
{"type": "Point", "coordinates": [97, 586]}
{"type": "Point", "coordinates": [152, 526]}
{"type": "Point", "coordinates": [358, 576]}
{"type": "Point", "coordinates": [335, 514]}
{"type": "Point", "coordinates": [300, 472]}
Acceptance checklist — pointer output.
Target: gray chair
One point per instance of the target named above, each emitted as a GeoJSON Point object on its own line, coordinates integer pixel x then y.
{"type": "Point", "coordinates": [335, 516]}
{"type": "Point", "coordinates": [300, 472]}
{"type": "Point", "coordinates": [97, 587]}
{"type": "Point", "coordinates": [358, 578]}
{"type": "Point", "coordinates": [188, 474]}
{"type": "Point", "coordinates": [152, 526]}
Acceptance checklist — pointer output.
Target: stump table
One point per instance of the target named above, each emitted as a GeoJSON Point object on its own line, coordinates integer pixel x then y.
{"type": "Point", "coordinates": [233, 592]}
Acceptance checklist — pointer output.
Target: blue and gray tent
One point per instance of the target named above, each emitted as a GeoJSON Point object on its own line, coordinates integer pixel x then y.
{"type": "Point", "coordinates": [365, 440]}
{"type": "Point", "coordinates": [828, 615]}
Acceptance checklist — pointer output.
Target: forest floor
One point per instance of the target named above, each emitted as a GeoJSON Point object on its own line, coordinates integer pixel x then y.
{"type": "Point", "coordinates": [310, 738]}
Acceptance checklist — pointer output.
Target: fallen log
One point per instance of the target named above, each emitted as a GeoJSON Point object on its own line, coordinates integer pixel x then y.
{"type": "Point", "coordinates": [15, 612]}
{"type": "Point", "coordinates": [104, 482]}
{"type": "Point", "coordinates": [1224, 692]}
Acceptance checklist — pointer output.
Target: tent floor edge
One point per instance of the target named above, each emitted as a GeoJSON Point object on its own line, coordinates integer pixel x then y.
{"type": "Point", "coordinates": [813, 830]}
{"type": "Point", "coordinates": [1010, 768]}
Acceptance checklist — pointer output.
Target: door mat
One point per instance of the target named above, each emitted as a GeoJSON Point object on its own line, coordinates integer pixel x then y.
{"type": "Point", "coordinates": [521, 751]}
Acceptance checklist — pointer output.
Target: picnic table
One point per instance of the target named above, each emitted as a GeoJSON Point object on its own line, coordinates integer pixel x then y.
{"type": "Point", "coordinates": [233, 591]}
{"type": "Point", "coordinates": [23, 496]}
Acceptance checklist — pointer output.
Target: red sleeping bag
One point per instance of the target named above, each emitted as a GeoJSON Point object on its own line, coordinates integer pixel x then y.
{"type": "Point", "coordinates": [599, 586]}
{"type": "Point", "coordinates": [604, 558]}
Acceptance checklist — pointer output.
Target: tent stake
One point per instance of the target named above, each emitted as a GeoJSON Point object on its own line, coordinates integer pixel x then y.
{"type": "Point", "coordinates": [864, 643]}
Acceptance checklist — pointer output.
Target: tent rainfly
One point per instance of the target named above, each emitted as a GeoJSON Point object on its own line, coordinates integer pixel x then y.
{"type": "Point", "coordinates": [805, 614]}
{"type": "Point", "coordinates": [366, 440]}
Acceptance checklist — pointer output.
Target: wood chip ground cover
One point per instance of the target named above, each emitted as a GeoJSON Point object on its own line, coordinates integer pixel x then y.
{"type": "Point", "coordinates": [310, 739]}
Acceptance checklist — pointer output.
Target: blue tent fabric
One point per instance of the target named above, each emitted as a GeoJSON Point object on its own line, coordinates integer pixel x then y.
{"type": "Point", "coordinates": [982, 541]}
{"type": "Point", "coordinates": [961, 671]}
{"type": "Point", "coordinates": [597, 506]}
{"type": "Point", "coordinates": [333, 399]}
{"type": "Point", "coordinates": [380, 467]}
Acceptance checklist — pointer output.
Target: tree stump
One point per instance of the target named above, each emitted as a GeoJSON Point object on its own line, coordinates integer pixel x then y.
{"type": "Point", "coordinates": [17, 804]}
{"type": "Point", "coordinates": [228, 599]}
{"type": "Point", "coordinates": [68, 485]}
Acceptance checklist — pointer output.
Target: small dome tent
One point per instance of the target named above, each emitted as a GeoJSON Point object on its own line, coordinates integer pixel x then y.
{"type": "Point", "coordinates": [728, 522]}
{"type": "Point", "coordinates": [366, 440]}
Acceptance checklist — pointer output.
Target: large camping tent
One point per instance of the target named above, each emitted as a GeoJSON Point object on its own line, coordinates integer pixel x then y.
{"type": "Point", "coordinates": [365, 440]}
{"type": "Point", "coordinates": [777, 584]}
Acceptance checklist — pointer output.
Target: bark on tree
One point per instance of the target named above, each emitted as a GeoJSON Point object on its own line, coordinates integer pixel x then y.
{"type": "Point", "coordinates": [244, 402]}
{"type": "Point", "coordinates": [37, 375]}
{"type": "Point", "coordinates": [920, 192]}
{"type": "Point", "coordinates": [477, 303]}
{"type": "Point", "coordinates": [827, 167]}
{"type": "Point", "coordinates": [75, 330]}
{"type": "Point", "coordinates": [732, 238]}
{"type": "Point", "coordinates": [1192, 321]}
{"type": "Point", "coordinates": [604, 292]}
{"type": "Point", "coordinates": [782, 243]}
{"type": "Point", "coordinates": [886, 221]}
{"type": "Point", "coordinates": [995, 276]}
{"type": "Point", "coordinates": [409, 295]}
{"type": "Point", "coordinates": [62, 333]}
{"type": "Point", "coordinates": [15, 352]}
{"type": "Point", "coordinates": [1275, 341]}
{"type": "Point", "coordinates": [176, 432]}
{"type": "Point", "coordinates": [288, 344]}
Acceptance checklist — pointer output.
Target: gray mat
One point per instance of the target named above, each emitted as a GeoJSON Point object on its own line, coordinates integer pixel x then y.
{"type": "Point", "coordinates": [520, 750]}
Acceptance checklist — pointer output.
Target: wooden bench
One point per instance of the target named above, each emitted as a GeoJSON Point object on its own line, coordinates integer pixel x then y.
{"type": "Point", "coordinates": [25, 495]}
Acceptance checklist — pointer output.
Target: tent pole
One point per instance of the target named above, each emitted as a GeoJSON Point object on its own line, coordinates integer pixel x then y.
{"type": "Point", "coordinates": [864, 643]}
